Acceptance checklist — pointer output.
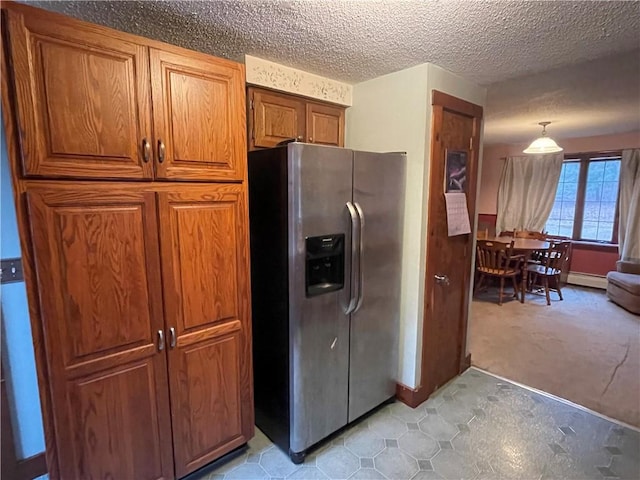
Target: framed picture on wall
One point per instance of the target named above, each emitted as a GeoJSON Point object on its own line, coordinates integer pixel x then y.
{"type": "Point", "coordinates": [455, 171]}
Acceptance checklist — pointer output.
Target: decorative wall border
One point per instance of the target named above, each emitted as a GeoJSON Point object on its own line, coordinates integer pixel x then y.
{"type": "Point", "coordinates": [272, 75]}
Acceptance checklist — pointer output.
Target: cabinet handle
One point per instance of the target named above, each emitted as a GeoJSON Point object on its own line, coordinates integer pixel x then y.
{"type": "Point", "coordinates": [146, 150]}
{"type": "Point", "coordinates": [172, 342]}
{"type": "Point", "coordinates": [310, 139]}
{"type": "Point", "coordinates": [161, 151]}
{"type": "Point", "coordinates": [160, 340]}
{"type": "Point", "coordinates": [299, 138]}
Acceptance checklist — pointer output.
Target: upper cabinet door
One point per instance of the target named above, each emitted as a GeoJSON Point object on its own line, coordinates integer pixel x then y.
{"type": "Point", "coordinates": [199, 117]}
{"type": "Point", "coordinates": [82, 99]}
{"type": "Point", "coordinates": [98, 272]}
{"type": "Point", "coordinates": [325, 124]}
{"type": "Point", "coordinates": [204, 244]}
{"type": "Point", "coordinates": [275, 118]}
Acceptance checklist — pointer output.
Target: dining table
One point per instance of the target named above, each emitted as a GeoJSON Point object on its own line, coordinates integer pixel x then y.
{"type": "Point", "coordinates": [525, 247]}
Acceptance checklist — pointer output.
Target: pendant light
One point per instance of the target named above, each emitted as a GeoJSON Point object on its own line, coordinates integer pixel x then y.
{"type": "Point", "coordinates": [543, 144]}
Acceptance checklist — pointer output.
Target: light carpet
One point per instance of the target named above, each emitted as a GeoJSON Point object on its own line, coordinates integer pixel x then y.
{"type": "Point", "coordinates": [585, 349]}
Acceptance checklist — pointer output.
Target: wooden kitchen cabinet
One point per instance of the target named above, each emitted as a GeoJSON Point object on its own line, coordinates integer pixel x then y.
{"type": "Point", "coordinates": [97, 261]}
{"type": "Point", "coordinates": [325, 124]}
{"type": "Point", "coordinates": [92, 102]}
{"type": "Point", "coordinates": [138, 291]}
{"type": "Point", "coordinates": [198, 116]}
{"type": "Point", "coordinates": [81, 99]}
{"type": "Point", "coordinates": [157, 370]}
{"type": "Point", "coordinates": [275, 117]}
{"type": "Point", "coordinates": [205, 256]}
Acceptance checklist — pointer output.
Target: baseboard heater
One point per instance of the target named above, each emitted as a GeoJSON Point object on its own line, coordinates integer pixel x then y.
{"type": "Point", "coordinates": [587, 280]}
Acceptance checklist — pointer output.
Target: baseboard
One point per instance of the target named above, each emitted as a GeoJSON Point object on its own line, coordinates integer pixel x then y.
{"type": "Point", "coordinates": [410, 396]}
{"type": "Point", "coordinates": [466, 363]}
{"type": "Point", "coordinates": [587, 280]}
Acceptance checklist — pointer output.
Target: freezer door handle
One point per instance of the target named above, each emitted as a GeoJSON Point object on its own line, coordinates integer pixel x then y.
{"type": "Point", "coordinates": [353, 297]}
{"type": "Point", "coordinates": [360, 249]}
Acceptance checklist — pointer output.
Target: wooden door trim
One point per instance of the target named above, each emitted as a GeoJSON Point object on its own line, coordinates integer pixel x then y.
{"type": "Point", "coordinates": [455, 104]}
{"type": "Point", "coordinates": [441, 102]}
{"type": "Point", "coordinates": [411, 396]}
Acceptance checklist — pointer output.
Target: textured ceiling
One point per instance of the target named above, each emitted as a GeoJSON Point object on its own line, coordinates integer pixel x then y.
{"type": "Point", "coordinates": [598, 97]}
{"type": "Point", "coordinates": [355, 40]}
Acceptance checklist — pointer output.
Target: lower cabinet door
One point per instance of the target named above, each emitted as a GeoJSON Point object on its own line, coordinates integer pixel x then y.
{"type": "Point", "coordinates": [98, 275]}
{"type": "Point", "coordinates": [205, 266]}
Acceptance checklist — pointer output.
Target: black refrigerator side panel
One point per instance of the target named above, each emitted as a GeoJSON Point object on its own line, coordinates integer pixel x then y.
{"type": "Point", "coordinates": [268, 207]}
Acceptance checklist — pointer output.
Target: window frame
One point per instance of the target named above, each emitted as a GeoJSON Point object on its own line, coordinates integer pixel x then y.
{"type": "Point", "coordinates": [585, 158]}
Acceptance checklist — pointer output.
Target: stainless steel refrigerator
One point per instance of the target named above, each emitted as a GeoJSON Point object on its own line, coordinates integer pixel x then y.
{"type": "Point", "coordinates": [326, 239]}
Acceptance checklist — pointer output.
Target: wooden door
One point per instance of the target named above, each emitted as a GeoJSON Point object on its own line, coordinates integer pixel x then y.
{"type": "Point", "coordinates": [81, 97]}
{"type": "Point", "coordinates": [325, 124]}
{"type": "Point", "coordinates": [274, 118]}
{"type": "Point", "coordinates": [204, 241]}
{"type": "Point", "coordinates": [198, 116]}
{"type": "Point", "coordinates": [98, 270]}
{"type": "Point", "coordinates": [456, 128]}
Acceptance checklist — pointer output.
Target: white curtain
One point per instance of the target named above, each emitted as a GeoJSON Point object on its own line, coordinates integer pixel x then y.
{"type": "Point", "coordinates": [629, 206]}
{"type": "Point", "coordinates": [527, 191]}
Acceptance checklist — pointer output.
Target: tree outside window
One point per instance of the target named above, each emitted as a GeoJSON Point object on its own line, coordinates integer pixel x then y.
{"type": "Point", "coordinates": [586, 202]}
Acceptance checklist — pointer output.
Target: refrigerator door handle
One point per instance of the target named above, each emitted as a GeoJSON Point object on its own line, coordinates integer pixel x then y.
{"type": "Point", "coordinates": [354, 258]}
{"type": "Point", "coordinates": [360, 249]}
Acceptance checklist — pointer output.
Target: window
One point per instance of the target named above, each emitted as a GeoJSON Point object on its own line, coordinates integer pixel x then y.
{"type": "Point", "coordinates": [586, 202]}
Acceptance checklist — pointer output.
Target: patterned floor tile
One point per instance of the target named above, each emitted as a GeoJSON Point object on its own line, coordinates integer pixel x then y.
{"type": "Point", "coordinates": [365, 443]}
{"type": "Point", "coordinates": [338, 462]}
{"type": "Point", "coordinates": [394, 463]}
{"type": "Point", "coordinates": [477, 426]}
{"type": "Point", "coordinates": [450, 464]}
{"type": "Point", "coordinates": [419, 445]}
{"type": "Point", "coordinates": [307, 473]}
{"type": "Point", "coordinates": [438, 428]}
{"type": "Point", "coordinates": [276, 463]}
{"type": "Point", "coordinates": [367, 474]}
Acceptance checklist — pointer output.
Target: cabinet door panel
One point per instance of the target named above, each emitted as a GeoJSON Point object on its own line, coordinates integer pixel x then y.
{"type": "Point", "coordinates": [113, 416]}
{"type": "Point", "coordinates": [82, 100]}
{"type": "Point", "coordinates": [97, 262]}
{"type": "Point", "coordinates": [210, 417]}
{"type": "Point", "coordinates": [198, 110]}
{"type": "Point", "coordinates": [204, 243]}
{"type": "Point", "coordinates": [325, 124]}
{"type": "Point", "coordinates": [275, 118]}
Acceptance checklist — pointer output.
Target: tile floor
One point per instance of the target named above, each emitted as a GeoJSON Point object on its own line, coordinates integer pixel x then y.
{"type": "Point", "coordinates": [476, 427]}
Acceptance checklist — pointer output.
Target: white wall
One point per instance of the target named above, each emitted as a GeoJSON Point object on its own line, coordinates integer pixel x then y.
{"type": "Point", "coordinates": [17, 343]}
{"type": "Point", "coordinates": [393, 113]}
{"type": "Point", "coordinates": [389, 114]}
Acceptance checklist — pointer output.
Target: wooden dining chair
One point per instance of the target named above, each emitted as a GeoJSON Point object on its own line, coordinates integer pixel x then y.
{"type": "Point", "coordinates": [555, 260]}
{"type": "Point", "coordinates": [495, 259]}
